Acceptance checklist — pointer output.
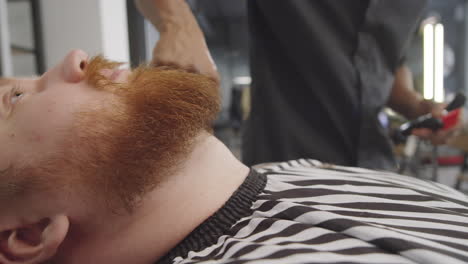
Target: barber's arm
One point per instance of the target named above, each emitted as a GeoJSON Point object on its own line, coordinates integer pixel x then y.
{"type": "Point", "coordinates": [181, 40]}
{"type": "Point", "coordinates": [404, 100]}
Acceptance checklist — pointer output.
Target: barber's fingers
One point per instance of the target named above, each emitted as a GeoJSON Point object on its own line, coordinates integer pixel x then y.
{"type": "Point", "coordinates": [423, 133]}
{"type": "Point", "coordinates": [177, 49]}
{"type": "Point", "coordinates": [438, 110]}
{"type": "Point", "coordinates": [439, 137]}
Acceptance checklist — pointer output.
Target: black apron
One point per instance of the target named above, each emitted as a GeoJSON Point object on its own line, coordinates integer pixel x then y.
{"type": "Point", "coordinates": [322, 70]}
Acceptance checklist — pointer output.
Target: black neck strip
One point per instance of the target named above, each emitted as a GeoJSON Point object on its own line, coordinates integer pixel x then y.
{"type": "Point", "coordinates": [237, 207]}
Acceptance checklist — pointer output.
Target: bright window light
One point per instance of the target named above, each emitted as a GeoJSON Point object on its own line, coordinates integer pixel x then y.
{"type": "Point", "coordinates": [428, 61]}
{"type": "Point", "coordinates": [439, 64]}
{"type": "Point", "coordinates": [242, 80]}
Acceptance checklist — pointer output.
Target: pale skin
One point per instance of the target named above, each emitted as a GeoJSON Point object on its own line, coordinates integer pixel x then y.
{"type": "Point", "coordinates": [75, 229]}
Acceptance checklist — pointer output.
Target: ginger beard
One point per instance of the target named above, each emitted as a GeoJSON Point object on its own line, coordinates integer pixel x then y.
{"type": "Point", "coordinates": [123, 151]}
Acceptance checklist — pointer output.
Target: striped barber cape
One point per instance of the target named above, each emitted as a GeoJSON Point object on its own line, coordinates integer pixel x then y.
{"type": "Point", "coordinates": [305, 211]}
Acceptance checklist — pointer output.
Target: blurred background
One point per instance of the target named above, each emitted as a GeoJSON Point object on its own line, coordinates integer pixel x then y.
{"type": "Point", "coordinates": [35, 34]}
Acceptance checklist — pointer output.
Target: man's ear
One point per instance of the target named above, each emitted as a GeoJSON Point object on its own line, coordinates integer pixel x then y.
{"type": "Point", "coordinates": [34, 243]}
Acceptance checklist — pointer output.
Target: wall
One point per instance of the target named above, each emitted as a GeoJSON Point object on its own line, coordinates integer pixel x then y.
{"type": "Point", "coordinates": [20, 27]}
{"type": "Point", "coordinates": [5, 54]}
{"type": "Point", "coordinates": [96, 26]}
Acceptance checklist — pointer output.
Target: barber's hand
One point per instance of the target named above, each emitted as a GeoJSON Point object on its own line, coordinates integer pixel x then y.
{"type": "Point", "coordinates": [185, 49]}
{"type": "Point", "coordinates": [440, 136]}
{"type": "Point", "coordinates": [181, 42]}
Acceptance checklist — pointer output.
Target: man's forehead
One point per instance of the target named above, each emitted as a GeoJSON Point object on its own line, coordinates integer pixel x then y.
{"type": "Point", "coordinates": [7, 81]}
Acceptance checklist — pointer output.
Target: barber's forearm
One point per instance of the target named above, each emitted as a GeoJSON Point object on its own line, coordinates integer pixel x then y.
{"type": "Point", "coordinates": [181, 41]}
{"type": "Point", "coordinates": [403, 99]}
{"type": "Point", "coordinates": [171, 15]}
{"type": "Point", "coordinates": [409, 104]}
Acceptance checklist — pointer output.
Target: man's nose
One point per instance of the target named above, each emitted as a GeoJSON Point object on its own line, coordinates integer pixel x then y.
{"type": "Point", "coordinates": [74, 66]}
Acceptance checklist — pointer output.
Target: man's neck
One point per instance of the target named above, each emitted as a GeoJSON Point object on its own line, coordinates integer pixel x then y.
{"type": "Point", "coordinates": [207, 179]}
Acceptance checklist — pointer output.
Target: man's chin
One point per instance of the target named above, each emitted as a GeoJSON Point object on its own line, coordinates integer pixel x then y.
{"type": "Point", "coordinates": [133, 147]}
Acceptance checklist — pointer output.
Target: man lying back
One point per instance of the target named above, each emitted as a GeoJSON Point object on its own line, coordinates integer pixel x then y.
{"type": "Point", "coordinates": [100, 165]}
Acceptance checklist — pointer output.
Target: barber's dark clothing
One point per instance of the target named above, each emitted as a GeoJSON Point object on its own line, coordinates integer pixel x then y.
{"type": "Point", "coordinates": [322, 71]}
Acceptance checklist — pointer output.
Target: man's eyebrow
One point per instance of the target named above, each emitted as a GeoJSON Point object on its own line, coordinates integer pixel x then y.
{"type": "Point", "coordinates": [5, 83]}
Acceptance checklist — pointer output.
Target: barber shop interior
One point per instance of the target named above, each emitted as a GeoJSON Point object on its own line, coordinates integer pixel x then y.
{"type": "Point", "coordinates": [246, 131]}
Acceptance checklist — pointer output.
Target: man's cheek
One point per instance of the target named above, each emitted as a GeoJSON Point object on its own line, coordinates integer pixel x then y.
{"type": "Point", "coordinates": [6, 155]}
{"type": "Point", "coordinates": [36, 136]}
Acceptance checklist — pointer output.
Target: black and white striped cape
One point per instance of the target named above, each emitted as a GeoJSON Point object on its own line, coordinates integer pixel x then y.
{"type": "Point", "coordinates": [307, 212]}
